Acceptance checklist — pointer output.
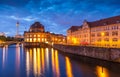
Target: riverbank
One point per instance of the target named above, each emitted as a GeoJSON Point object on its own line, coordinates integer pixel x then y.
{"type": "Point", "coordinates": [93, 62]}
{"type": "Point", "coordinates": [109, 54]}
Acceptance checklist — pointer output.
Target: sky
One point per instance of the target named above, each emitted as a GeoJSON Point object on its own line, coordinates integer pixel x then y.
{"type": "Point", "coordinates": [56, 15]}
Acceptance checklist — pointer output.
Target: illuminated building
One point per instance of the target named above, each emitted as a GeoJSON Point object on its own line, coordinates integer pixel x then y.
{"type": "Point", "coordinates": [2, 34]}
{"type": "Point", "coordinates": [103, 33]}
{"type": "Point", "coordinates": [37, 35]}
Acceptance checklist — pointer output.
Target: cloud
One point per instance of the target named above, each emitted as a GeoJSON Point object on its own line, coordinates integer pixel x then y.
{"type": "Point", "coordinates": [56, 15]}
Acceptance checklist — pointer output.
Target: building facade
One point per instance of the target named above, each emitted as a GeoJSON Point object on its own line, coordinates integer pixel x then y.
{"type": "Point", "coordinates": [37, 35]}
{"type": "Point", "coordinates": [103, 33]}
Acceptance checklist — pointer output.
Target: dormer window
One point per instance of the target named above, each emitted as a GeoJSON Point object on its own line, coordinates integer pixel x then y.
{"type": "Point", "coordinates": [104, 23]}
{"type": "Point", "coordinates": [118, 21]}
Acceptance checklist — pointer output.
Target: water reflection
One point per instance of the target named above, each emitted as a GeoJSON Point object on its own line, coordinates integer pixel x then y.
{"type": "Point", "coordinates": [47, 58]}
{"type": "Point", "coordinates": [38, 60]}
{"type": "Point", "coordinates": [35, 60]}
{"type": "Point", "coordinates": [102, 72]}
{"type": "Point", "coordinates": [48, 62]}
{"type": "Point", "coordinates": [68, 67]}
{"type": "Point", "coordinates": [17, 59]}
{"type": "Point", "coordinates": [43, 59]}
{"type": "Point", "coordinates": [27, 63]}
{"type": "Point", "coordinates": [4, 55]}
{"type": "Point", "coordinates": [55, 63]}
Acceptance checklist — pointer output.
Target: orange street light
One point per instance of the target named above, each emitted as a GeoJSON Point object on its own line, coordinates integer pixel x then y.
{"type": "Point", "coordinates": [102, 33]}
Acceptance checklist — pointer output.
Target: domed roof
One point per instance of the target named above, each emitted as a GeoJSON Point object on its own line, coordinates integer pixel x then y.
{"type": "Point", "coordinates": [37, 27]}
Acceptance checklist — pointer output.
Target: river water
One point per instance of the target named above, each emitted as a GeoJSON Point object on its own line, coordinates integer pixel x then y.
{"type": "Point", "coordinates": [17, 61]}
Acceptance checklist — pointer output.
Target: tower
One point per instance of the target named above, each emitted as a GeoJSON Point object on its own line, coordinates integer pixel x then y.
{"type": "Point", "coordinates": [17, 25]}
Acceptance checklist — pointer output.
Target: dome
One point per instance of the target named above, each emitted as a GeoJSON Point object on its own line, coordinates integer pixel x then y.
{"type": "Point", "coordinates": [36, 27]}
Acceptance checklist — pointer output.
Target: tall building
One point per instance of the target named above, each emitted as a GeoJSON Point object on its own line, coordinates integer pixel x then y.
{"type": "Point", "coordinates": [104, 33]}
{"type": "Point", "coordinates": [37, 35]}
{"type": "Point", "coordinates": [17, 31]}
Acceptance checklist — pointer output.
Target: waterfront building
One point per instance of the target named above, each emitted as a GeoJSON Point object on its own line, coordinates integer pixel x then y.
{"type": "Point", "coordinates": [2, 34]}
{"type": "Point", "coordinates": [104, 33]}
{"type": "Point", "coordinates": [37, 35]}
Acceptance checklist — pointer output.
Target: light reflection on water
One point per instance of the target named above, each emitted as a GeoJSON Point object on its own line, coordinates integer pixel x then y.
{"type": "Point", "coordinates": [44, 62]}
{"type": "Point", "coordinates": [4, 55]}
{"type": "Point", "coordinates": [17, 60]}
{"type": "Point", "coordinates": [102, 72]}
{"type": "Point", "coordinates": [68, 67]}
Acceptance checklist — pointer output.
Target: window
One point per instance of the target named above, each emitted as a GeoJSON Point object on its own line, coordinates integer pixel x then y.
{"type": "Point", "coordinates": [34, 35]}
{"type": "Point", "coordinates": [30, 39]}
{"type": "Point", "coordinates": [114, 39]}
{"type": "Point", "coordinates": [107, 28]}
{"type": "Point", "coordinates": [92, 40]}
{"type": "Point", "coordinates": [115, 33]}
{"type": "Point", "coordinates": [93, 35]}
{"type": "Point", "coordinates": [118, 21]}
{"type": "Point", "coordinates": [30, 35]}
{"type": "Point", "coordinates": [114, 27]}
{"type": "Point", "coordinates": [106, 33]}
{"type": "Point", "coordinates": [38, 35]}
{"type": "Point", "coordinates": [34, 39]}
{"type": "Point", "coordinates": [106, 39]}
{"type": "Point", "coordinates": [27, 40]}
{"type": "Point", "coordinates": [38, 39]}
{"type": "Point", "coordinates": [99, 40]}
{"type": "Point", "coordinates": [98, 34]}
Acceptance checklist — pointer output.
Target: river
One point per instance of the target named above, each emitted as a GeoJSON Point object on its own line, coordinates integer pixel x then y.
{"type": "Point", "coordinates": [17, 61]}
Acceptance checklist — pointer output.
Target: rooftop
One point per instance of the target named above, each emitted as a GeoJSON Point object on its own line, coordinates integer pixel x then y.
{"type": "Point", "coordinates": [37, 25]}
{"type": "Point", "coordinates": [106, 21]}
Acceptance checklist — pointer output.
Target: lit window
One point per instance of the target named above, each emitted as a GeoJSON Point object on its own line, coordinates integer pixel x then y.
{"type": "Point", "coordinates": [38, 39]}
{"type": "Point", "coordinates": [27, 40]}
{"type": "Point", "coordinates": [38, 35]}
{"type": "Point", "coordinates": [45, 39]}
{"type": "Point", "coordinates": [42, 39]}
{"type": "Point", "coordinates": [34, 39]}
{"type": "Point", "coordinates": [34, 35]}
{"type": "Point", "coordinates": [30, 39]}
{"type": "Point", "coordinates": [30, 35]}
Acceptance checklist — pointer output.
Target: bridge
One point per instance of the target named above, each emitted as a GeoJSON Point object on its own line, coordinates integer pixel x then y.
{"type": "Point", "coordinates": [10, 43]}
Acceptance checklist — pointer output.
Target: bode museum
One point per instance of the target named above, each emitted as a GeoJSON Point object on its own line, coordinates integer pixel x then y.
{"type": "Point", "coordinates": [37, 35]}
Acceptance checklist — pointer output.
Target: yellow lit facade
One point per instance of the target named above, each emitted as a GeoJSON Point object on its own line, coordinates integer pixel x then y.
{"type": "Point", "coordinates": [101, 33]}
{"type": "Point", "coordinates": [37, 35]}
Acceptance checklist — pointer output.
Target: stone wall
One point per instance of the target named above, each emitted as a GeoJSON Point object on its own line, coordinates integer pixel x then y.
{"type": "Point", "coordinates": [110, 54]}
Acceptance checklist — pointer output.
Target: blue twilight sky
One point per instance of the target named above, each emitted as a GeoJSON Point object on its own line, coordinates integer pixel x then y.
{"type": "Point", "coordinates": [56, 15]}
